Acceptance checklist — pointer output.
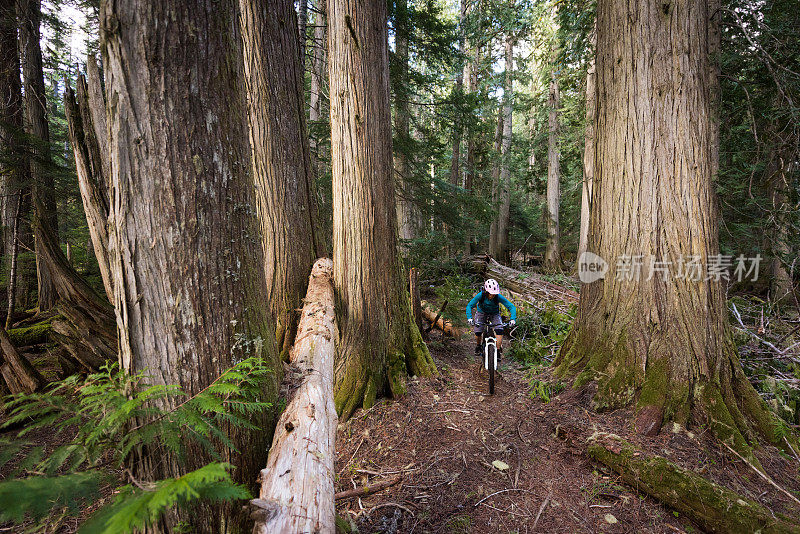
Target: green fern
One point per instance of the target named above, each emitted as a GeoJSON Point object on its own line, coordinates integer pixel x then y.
{"type": "Point", "coordinates": [116, 414]}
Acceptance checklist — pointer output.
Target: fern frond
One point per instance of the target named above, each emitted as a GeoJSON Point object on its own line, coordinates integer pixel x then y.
{"type": "Point", "coordinates": [135, 508]}
{"type": "Point", "coordinates": [34, 497]}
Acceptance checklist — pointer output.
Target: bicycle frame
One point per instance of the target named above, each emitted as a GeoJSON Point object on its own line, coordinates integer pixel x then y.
{"type": "Point", "coordinates": [489, 340]}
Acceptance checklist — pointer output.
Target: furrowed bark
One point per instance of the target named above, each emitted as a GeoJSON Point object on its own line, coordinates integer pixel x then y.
{"type": "Point", "coordinates": [281, 157]}
{"type": "Point", "coordinates": [43, 191]}
{"type": "Point", "coordinates": [186, 252]}
{"type": "Point", "coordinates": [663, 341]}
{"type": "Point", "coordinates": [379, 343]}
{"type": "Point", "coordinates": [713, 507]}
{"type": "Point", "coordinates": [97, 110]}
{"type": "Point", "coordinates": [297, 483]}
{"type": "Point", "coordinates": [91, 180]}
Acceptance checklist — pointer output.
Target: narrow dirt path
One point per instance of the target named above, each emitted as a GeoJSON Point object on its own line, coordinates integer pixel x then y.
{"type": "Point", "coordinates": [447, 437]}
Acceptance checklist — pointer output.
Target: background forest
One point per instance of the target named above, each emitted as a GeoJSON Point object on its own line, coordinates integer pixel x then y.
{"type": "Point", "coordinates": [493, 114]}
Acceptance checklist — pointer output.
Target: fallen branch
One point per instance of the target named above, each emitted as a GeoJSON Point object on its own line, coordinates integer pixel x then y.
{"type": "Point", "coordinates": [438, 321]}
{"type": "Point", "coordinates": [713, 507]}
{"type": "Point", "coordinates": [368, 489]}
{"type": "Point", "coordinates": [297, 484]}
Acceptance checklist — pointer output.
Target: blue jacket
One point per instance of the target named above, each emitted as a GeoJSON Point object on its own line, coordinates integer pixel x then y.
{"type": "Point", "coordinates": [491, 307]}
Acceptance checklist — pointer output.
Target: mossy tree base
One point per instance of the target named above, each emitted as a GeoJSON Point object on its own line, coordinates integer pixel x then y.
{"type": "Point", "coordinates": [667, 389]}
{"type": "Point", "coordinates": [713, 507]}
{"type": "Point", "coordinates": [366, 371]}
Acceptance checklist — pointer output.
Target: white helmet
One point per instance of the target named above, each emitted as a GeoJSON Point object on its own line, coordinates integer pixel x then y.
{"type": "Point", "coordinates": [491, 286]}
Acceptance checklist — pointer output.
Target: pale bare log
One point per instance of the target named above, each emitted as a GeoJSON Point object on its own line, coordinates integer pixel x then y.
{"type": "Point", "coordinates": [297, 484]}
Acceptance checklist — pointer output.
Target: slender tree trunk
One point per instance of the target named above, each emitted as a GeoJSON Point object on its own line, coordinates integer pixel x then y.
{"type": "Point", "coordinates": [91, 180]}
{"type": "Point", "coordinates": [407, 214]}
{"type": "Point", "coordinates": [662, 341]}
{"type": "Point", "coordinates": [379, 344]}
{"type": "Point", "coordinates": [302, 24]}
{"type": "Point", "coordinates": [496, 164]}
{"type": "Point", "coordinates": [29, 12]}
{"type": "Point", "coordinates": [469, 159]}
{"type": "Point", "coordinates": [588, 154]}
{"type": "Point", "coordinates": [552, 257]}
{"type": "Point", "coordinates": [317, 75]}
{"type": "Point", "coordinates": [12, 271]}
{"type": "Point", "coordinates": [505, 168]}
{"type": "Point", "coordinates": [14, 166]}
{"type": "Point", "coordinates": [281, 159]}
{"type": "Point", "coordinates": [188, 264]}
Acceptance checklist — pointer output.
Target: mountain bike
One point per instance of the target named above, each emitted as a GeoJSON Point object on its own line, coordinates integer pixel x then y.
{"type": "Point", "coordinates": [489, 344]}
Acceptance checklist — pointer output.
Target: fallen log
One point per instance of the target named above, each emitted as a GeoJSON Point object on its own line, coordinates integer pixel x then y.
{"type": "Point", "coordinates": [297, 485]}
{"type": "Point", "coordinates": [528, 286]}
{"type": "Point", "coordinates": [713, 507]}
{"type": "Point", "coordinates": [436, 320]}
{"type": "Point", "coordinates": [31, 335]}
{"type": "Point", "coordinates": [369, 488]}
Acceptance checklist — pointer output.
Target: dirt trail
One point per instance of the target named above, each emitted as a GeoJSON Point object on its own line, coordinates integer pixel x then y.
{"type": "Point", "coordinates": [444, 436]}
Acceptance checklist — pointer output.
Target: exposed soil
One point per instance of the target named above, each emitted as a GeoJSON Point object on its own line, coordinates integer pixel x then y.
{"type": "Point", "coordinates": [444, 434]}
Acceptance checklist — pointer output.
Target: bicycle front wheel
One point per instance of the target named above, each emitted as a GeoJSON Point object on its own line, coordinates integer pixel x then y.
{"type": "Point", "coordinates": [490, 353]}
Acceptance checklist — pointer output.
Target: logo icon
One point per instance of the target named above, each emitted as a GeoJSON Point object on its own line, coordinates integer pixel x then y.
{"type": "Point", "coordinates": [591, 267]}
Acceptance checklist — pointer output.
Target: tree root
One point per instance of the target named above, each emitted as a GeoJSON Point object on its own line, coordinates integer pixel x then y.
{"type": "Point", "coordinates": [713, 507]}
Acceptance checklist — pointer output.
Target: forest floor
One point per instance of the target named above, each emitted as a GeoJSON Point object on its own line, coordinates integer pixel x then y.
{"type": "Point", "coordinates": [444, 434]}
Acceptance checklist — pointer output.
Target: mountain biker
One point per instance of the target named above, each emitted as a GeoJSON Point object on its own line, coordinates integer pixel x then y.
{"type": "Point", "coordinates": [488, 303]}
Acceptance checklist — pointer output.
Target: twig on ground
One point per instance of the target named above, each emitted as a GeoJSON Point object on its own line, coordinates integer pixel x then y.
{"type": "Point", "coordinates": [368, 489]}
{"type": "Point", "coordinates": [501, 491]}
{"type": "Point", "coordinates": [396, 505]}
{"type": "Point", "coordinates": [539, 513]}
{"type": "Point", "coordinates": [762, 474]}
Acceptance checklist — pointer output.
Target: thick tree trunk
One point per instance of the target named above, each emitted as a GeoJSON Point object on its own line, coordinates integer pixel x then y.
{"type": "Point", "coordinates": [552, 255]}
{"type": "Point", "coordinates": [91, 180]}
{"type": "Point", "coordinates": [14, 166]}
{"type": "Point", "coordinates": [588, 154]}
{"type": "Point", "coordinates": [661, 341]}
{"type": "Point", "coordinates": [29, 12]}
{"type": "Point", "coordinates": [501, 243]}
{"type": "Point", "coordinates": [188, 266]}
{"type": "Point", "coordinates": [379, 342]}
{"type": "Point", "coordinates": [407, 213]}
{"type": "Point", "coordinates": [297, 484]}
{"type": "Point", "coordinates": [283, 174]}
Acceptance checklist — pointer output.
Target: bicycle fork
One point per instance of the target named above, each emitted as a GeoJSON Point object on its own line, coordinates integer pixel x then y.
{"type": "Point", "coordinates": [487, 342]}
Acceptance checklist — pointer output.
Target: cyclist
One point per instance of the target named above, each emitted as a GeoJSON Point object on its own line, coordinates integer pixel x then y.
{"type": "Point", "coordinates": [488, 304]}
